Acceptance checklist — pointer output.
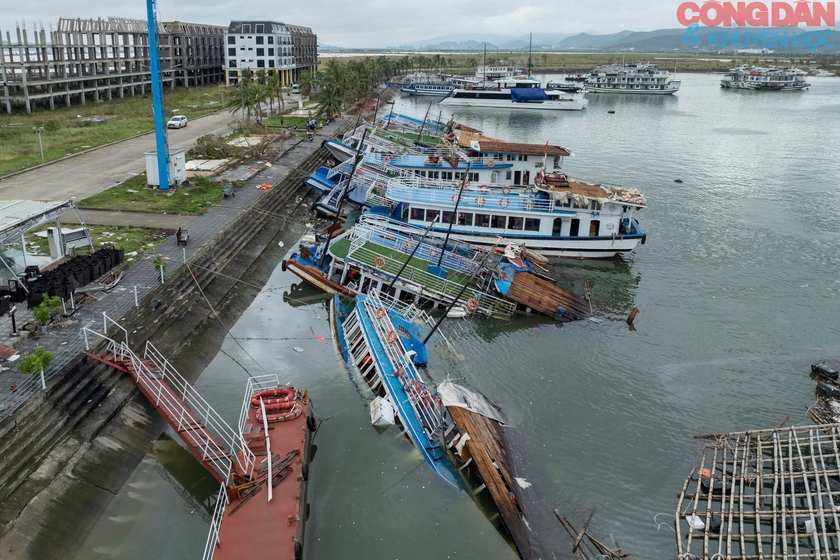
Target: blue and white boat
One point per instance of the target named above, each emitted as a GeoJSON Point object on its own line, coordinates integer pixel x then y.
{"type": "Point", "coordinates": [382, 345]}
{"type": "Point", "coordinates": [520, 92]}
{"type": "Point", "coordinates": [559, 219]}
{"type": "Point", "coordinates": [428, 88]}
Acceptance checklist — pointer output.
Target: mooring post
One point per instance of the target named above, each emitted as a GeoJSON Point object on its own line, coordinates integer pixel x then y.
{"type": "Point", "coordinates": [73, 300]}
{"type": "Point", "coordinates": [185, 255]}
{"type": "Point", "coordinates": [632, 316]}
{"type": "Point", "coordinates": [64, 306]}
{"type": "Point", "coordinates": [136, 301]}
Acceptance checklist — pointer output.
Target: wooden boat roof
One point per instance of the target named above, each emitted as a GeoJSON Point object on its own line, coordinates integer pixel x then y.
{"type": "Point", "coordinates": [602, 193]}
{"type": "Point", "coordinates": [495, 145]}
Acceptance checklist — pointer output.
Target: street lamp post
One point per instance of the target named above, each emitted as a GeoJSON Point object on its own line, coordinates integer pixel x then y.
{"type": "Point", "coordinates": [38, 130]}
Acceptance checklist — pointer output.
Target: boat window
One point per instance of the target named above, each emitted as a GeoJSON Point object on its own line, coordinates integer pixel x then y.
{"type": "Point", "coordinates": [446, 175]}
{"type": "Point", "coordinates": [473, 177]}
{"type": "Point", "coordinates": [497, 221]}
{"type": "Point", "coordinates": [447, 217]}
{"type": "Point", "coordinates": [499, 157]}
{"type": "Point", "coordinates": [418, 214]}
{"type": "Point", "coordinates": [575, 228]}
{"type": "Point", "coordinates": [482, 220]}
{"type": "Point", "coordinates": [432, 215]}
{"type": "Point", "coordinates": [532, 224]}
{"type": "Point", "coordinates": [517, 177]}
{"type": "Point", "coordinates": [434, 175]}
{"type": "Point", "coordinates": [422, 173]}
{"type": "Point", "coordinates": [558, 225]}
{"type": "Point", "coordinates": [594, 228]}
{"type": "Point", "coordinates": [594, 205]}
{"type": "Point", "coordinates": [508, 175]}
{"type": "Point", "coordinates": [526, 177]}
{"type": "Point", "coordinates": [515, 222]}
{"type": "Point", "coordinates": [465, 219]}
{"type": "Point", "coordinates": [509, 157]}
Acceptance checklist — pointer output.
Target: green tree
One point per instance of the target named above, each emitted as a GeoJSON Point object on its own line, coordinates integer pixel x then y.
{"type": "Point", "coordinates": [36, 362]}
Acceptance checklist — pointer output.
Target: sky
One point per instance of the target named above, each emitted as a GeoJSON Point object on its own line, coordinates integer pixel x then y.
{"type": "Point", "coordinates": [372, 23]}
{"type": "Point", "coordinates": [375, 23]}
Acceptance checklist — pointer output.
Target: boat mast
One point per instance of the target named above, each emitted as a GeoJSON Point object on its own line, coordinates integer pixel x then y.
{"type": "Point", "coordinates": [411, 256]}
{"type": "Point", "coordinates": [425, 119]}
{"type": "Point", "coordinates": [455, 211]}
{"type": "Point", "coordinates": [530, 42]}
{"type": "Point", "coordinates": [484, 65]}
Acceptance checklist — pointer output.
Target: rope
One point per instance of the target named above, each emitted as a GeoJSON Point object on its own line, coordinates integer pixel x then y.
{"type": "Point", "coordinates": [659, 525]}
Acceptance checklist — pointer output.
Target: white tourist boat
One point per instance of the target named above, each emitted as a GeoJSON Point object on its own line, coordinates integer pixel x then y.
{"type": "Point", "coordinates": [632, 78]}
{"type": "Point", "coordinates": [494, 71]}
{"type": "Point", "coordinates": [561, 218]}
{"type": "Point", "coordinates": [764, 79]}
{"type": "Point", "coordinates": [518, 92]}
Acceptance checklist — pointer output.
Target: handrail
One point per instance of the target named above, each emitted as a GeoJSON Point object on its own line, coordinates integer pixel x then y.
{"type": "Point", "coordinates": [215, 524]}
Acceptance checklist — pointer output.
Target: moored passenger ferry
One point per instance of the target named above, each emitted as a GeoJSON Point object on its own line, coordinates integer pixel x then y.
{"type": "Point", "coordinates": [562, 218]}
{"type": "Point", "coordinates": [520, 92]}
{"type": "Point", "coordinates": [632, 78]}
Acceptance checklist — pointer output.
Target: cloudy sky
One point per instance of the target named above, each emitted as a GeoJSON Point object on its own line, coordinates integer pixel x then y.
{"type": "Point", "coordinates": [373, 23]}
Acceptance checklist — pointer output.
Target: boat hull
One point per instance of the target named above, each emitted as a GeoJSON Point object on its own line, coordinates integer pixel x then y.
{"type": "Point", "coordinates": [596, 89]}
{"type": "Point", "coordinates": [316, 278]}
{"type": "Point", "coordinates": [573, 105]}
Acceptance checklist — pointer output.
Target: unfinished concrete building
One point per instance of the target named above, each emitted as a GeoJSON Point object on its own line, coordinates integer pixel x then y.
{"type": "Point", "coordinates": [192, 53]}
{"type": "Point", "coordinates": [85, 60]}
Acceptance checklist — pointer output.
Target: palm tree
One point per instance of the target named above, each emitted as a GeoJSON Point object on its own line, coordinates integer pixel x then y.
{"type": "Point", "coordinates": [275, 90]}
{"type": "Point", "coordinates": [308, 82]}
{"type": "Point", "coordinates": [244, 95]}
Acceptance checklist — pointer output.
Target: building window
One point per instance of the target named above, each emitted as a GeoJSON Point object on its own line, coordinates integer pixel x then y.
{"type": "Point", "coordinates": [232, 64]}
{"type": "Point", "coordinates": [271, 63]}
{"type": "Point", "coordinates": [231, 40]}
{"type": "Point", "coordinates": [270, 39]}
{"type": "Point", "coordinates": [270, 52]}
{"type": "Point", "coordinates": [260, 63]}
{"type": "Point", "coordinates": [232, 52]}
{"type": "Point", "coordinates": [260, 52]}
{"type": "Point", "coordinates": [246, 28]}
{"type": "Point", "coordinates": [260, 39]}
{"type": "Point", "coordinates": [259, 29]}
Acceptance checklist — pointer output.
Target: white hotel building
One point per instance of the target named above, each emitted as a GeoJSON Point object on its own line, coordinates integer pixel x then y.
{"type": "Point", "coordinates": [269, 46]}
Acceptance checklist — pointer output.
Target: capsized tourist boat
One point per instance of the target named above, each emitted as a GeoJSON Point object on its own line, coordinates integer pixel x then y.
{"type": "Point", "coordinates": [519, 92]}
{"type": "Point", "coordinates": [632, 79]}
{"type": "Point", "coordinates": [262, 463]}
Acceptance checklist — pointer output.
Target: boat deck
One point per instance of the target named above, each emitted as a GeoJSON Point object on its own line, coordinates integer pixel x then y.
{"type": "Point", "coordinates": [545, 297]}
{"type": "Point", "coordinates": [252, 526]}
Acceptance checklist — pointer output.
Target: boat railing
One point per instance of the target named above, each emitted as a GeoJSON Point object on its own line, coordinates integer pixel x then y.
{"type": "Point", "coordinates": [390, 170]}
{"type": "Point", "coordinates": [419, 396]}
{"type": "Point", "coordinates": [215, 524]}
{"type": "Point", "coordinates": [486, 304]}
{"type": "Point", "coordinates": [227, 441]}
{"type": "Point", "coordinates": [254, 385]}
{"type": "Point", "coordinates": [518, 200]}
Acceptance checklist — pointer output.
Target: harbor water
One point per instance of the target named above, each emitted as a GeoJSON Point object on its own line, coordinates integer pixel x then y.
{"type": "Point", "coordinates": [738, 288]}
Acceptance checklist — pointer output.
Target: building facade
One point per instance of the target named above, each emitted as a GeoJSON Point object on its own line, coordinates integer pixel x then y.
{"type": "Point", "coordinates": [269, 46]}
{"type": "Point", "coordinates": [85, 60]}
{"type": "Point", "coordinates": [192, 53]}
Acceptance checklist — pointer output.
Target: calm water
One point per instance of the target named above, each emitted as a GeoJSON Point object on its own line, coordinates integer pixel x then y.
{"type": "Point", "coordinates": [738, 289]}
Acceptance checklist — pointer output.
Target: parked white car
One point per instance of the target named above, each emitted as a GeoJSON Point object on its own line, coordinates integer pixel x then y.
{"type": "Point", "coordinates": [178, 121]}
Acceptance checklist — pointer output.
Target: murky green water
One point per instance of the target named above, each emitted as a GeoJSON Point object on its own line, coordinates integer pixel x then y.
{"type": "Point", "coordinates": [738, 289]}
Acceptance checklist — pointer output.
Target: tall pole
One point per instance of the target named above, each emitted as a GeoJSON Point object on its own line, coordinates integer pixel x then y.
{"type": "Point", "coordinates": [38, 130]}
{"type": "Point", "coordinates": [454, 212]}
{"type": "Point", "coordinates": [410, 256]}
{"type": "Point", "coordinates": [157, 99]}
{"type": "Point", "coordinates": [530, 42]}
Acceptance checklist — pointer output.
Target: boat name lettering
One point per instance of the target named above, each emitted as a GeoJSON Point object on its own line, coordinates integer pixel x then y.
{"type": "Point", "coordinates": [764, 39]}
{"type": "Point", "coordinates": [757, 14]}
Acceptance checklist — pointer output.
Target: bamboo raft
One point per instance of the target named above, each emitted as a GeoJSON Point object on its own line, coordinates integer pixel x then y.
{"type": "Point", "coordinates": [763, 494]}
{"type": "Point", "coordinates": [545, 297]}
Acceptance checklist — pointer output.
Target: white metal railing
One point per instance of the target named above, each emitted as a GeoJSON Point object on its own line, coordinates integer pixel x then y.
{"type": "Point", "coordinates": [255, 385]}
{"type": "Point", "coordinates": [215, 524]}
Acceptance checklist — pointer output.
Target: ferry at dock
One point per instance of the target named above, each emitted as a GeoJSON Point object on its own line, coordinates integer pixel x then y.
{"type": "Point", "coordinates": [495, 71]}
{"type": "Point", "coordinates": [764, 79]}
{"type": "Point", "coordinates": [632, 78]}
{"type": "Point", "coordinates": [520, 92]}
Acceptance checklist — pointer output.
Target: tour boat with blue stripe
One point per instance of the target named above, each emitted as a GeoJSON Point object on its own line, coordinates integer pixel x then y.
{"type": "Point", "coordinates": [520, 92]}
{"type": "Point", "coordinates": [384, 347]}
{"type": "Point", "coordinates": [561, 218]}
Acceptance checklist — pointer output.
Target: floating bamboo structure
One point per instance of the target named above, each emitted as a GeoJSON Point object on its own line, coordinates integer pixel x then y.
{"type": "Point", "coordinates": [763, 494]}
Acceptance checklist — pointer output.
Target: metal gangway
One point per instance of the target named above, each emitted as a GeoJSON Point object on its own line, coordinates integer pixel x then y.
{"type": "Point", "coordinates": [206, 434]}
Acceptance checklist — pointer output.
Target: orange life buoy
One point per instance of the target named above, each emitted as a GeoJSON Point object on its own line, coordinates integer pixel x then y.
{"type": "Point", "coordinates": [479, 201]}
{"type": "Point", "coordinates": [506, 189]}
{"type": "Point", "coordinates": [296, 411]}
{"type": "Point", "coordinates": [379, 262]}
{"type": "Point", "coordinates": [450, 137]}
{"type": "Point", "coordinates": [386, 160]}
{"type": "Point", "coordinates": [380, 312]}
{"type": "Point", "coordinates": [392, 337]}
{"type": "Point", "coordinates": [283, 394]}
{"type": "Point", "coordinates": [278, 406]}
{"type": "Point", "coordinates": [455, 198]}
{"type": "Point", "coordinates": [504, 202]}
{"type": "Point", "coordinates": [529, 190]}
{"type": "Point", "coordinates": [491, 163]}
{"type": "Point", "coordinates": [408, 244]}
{"type": "Point", "coordinates": [391, 146]}
{"type": "Point", "coordinates": [472, 304]}
{"type": "Point", "coordinates": [433, 252]}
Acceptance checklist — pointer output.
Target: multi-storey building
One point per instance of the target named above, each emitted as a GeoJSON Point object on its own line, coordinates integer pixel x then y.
{"type": "Point", "coordinates": [85, 60]}
{"type": "Point", "coordinates": [193, 53]}
{"type": "Point", "coordinates": [269, 46]}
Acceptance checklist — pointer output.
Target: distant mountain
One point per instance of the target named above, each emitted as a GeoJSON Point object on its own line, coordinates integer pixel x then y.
{"type": "Point", "coordinates": [475, 41]}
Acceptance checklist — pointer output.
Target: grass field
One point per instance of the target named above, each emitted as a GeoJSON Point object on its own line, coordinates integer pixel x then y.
{"type": "Point", "coordinates": [64, 133]}
{"type": "Point", "coordinates": [134, 196]}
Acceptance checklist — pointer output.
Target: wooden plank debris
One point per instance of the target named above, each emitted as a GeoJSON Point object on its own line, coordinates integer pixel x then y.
{"type": "Point", "coordinates": [545, 297]}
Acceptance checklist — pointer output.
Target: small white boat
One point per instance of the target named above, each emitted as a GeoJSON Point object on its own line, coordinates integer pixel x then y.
{"type": "Point", "coordinates": [520, 92]}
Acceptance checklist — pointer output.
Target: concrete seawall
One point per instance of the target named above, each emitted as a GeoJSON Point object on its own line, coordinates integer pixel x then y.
{"type": "Point", "coordinates": [65, 454]}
